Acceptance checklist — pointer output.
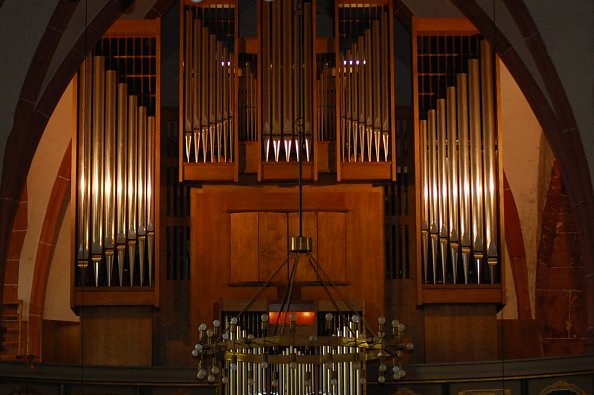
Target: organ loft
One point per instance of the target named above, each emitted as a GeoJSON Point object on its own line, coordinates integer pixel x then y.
{"type": "Point", "coordinates": [298, 197]}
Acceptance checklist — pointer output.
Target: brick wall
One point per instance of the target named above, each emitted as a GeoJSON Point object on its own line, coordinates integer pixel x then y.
{"type": "Point", "coordinates": [560, 286]}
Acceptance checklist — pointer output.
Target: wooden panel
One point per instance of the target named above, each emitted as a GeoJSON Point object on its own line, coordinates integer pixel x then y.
{"type": "Point", "coordinates": [472, 293]}
{"type": "Point", "coordinates": [305, 272]}
{"type": "Point", "coordinates": [286, 170]}
{"type": "Point", "coordinates": [362, 253]}
{"type": "Point", "coordinates": [64, 334]}
{"type": "Point", "coordinates": [244, 247]}
{"type": "Point", "coordinates": [116, 296]}
{"type": "Point", "coordinates": [460, 333]}
{"type": "Point", "coordinates": [272, 241]}
{"type": "Point", "coordinates": [366, 170]}
{"type": "Point", "coordinates": [116, 336]}
{"type": "Point", "coordinates": [209, 171]}
{"type": "Point", "coordinates": [332, 244]}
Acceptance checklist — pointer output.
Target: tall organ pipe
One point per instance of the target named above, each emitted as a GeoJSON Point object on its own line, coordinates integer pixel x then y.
{"type": "Point", "coordinates": [121, 174]}
{"type": "Point", "coordinates": [488, 111]}
{"type": "Point", "coordinates": [131, 181]}
{"type": "Point", "coordinates": [477, 164]}
{"type": "Point", "coordinates": [464, 157]}
{"type": "Point", "coordinates": [97, 172]}
{"type": "Point", "coordinates": [110, 169]}
{"type": "Point", "coordinates": [84, 162]}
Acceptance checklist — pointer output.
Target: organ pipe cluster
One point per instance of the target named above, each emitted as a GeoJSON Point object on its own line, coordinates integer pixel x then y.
{"type": "Point", "coordinates": [460, 178]}
{"type": "Point", "coordinates": [279, 360]}
{"type": "Point", "coordinates": [326, 97]}
{"type": "Point", "coordinates": [208, 83]}
{"type": "Point", "coordinates": [287, 79]}
{"type": "Point", "coordinates": [115, 208]}
{"type": "Point", "coordinates": [364, 72]}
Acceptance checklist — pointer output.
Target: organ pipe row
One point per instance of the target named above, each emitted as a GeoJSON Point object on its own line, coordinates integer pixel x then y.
{"type": "Point", "coordinates": [115, 171]}
{"type": "Point", "coordinates": [459, 226]}
{"type": "Point", "coordinates": [208, 83]}
{"type": "Point", "coordinates": [259, 93]}
{"type": "Point", "coordinates": [326, 97]}
{"type": "Point", "coordinates": [287, 79]}
{"type": "Point", "coordinates": [364, 71]}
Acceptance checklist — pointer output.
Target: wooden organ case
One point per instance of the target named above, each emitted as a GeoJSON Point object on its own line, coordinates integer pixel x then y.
{"type": "Point", "coordinates": [252, 107]}
{"type": "Point", "coordinates": [459, 202]}
{"type": "Point", "coordinates": [116, 142]}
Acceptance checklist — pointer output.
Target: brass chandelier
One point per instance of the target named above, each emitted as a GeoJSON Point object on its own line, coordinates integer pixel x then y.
{"type": "Point", "coordinates": [281, 357]}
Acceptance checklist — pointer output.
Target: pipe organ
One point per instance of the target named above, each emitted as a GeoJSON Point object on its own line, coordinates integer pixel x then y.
{"type": "Point", "coordinates": [365, 78]}
{"type": "Point", "coordinates": [208, 84]}
{"type": "Point", "coordinates": [116, 173]}
{"type": "Point", "coordinates": [286, 49]}
{"type": "Point", "coordinates": [459, 217]}
{"type": "Point", "coordinates": [286, 83]}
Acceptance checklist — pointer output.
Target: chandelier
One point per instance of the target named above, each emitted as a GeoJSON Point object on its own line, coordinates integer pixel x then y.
{"type": "Point", "coordinates": [283, 357]}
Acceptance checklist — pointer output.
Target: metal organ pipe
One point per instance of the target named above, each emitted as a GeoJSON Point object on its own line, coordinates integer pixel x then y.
{"type": "Point", "coordinates": [488, 111]}
{"type": "Point", "coordinates": [464, 156]}
{"type": "Point", "coordinates": [83, 211]}
{"type": "Point", "coordinates": [365, 82]}
{"type": "Point", "coordinates": [115, 175]}
{"type": "Point", "coordinates": [459, 177]}
{"type": "Point", "coordinates": [110, 170]}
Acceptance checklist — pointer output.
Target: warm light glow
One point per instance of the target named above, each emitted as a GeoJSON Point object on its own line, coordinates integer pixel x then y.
{"type": "Point", "coordinates": [301, 317]}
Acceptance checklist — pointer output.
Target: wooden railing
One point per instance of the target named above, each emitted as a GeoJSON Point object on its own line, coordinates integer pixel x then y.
{"type": "Point", "coordinates": [518, 377]}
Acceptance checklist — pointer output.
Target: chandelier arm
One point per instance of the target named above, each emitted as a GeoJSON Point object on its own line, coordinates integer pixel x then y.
{"type": "Point", "coordinates": [253, 299]}
{"type": "Point", "coordinates": [319, 269]}
{"type": "Point", "coordinates": [287, 297]}
{"type": "Point", "coordinates": [311, 261]}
